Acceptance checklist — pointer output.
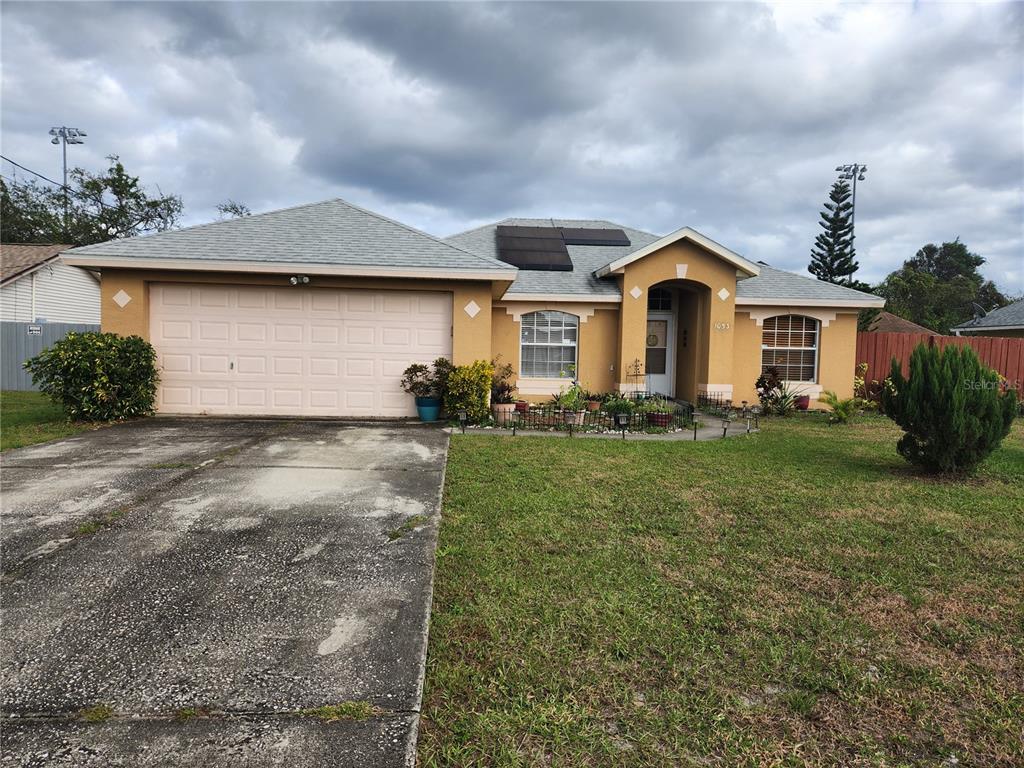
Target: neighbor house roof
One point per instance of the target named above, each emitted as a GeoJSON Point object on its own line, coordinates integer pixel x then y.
{"type": "Point", "coordinates": [1010, 317]}
{"type": "Point", "coordinates": [17, 259]}
{"type": "Point", "coordinates": [331, 237]}
{"type": "Point", "coordinates": [581, 282]}
{"type": "Point", "coordinates": [767, 286]}
{"type": "Point", "coordinates": [887, 322]}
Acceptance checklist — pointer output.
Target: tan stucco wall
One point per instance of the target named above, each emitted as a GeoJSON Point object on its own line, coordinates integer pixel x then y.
{"type": "Point", "coordinates": [716, 337]}
{"type": "Point", "coordinates": [837, 351]}
{"type": "Point", "coordinates": [598, 336]}
{"type": "Point", "coordinates": [471, 335]}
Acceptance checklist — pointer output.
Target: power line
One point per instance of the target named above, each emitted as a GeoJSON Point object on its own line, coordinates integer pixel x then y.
{"type": "Point", "coordinates": [66, 188]}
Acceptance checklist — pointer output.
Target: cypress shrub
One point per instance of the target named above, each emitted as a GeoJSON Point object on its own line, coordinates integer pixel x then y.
{"type": "Point", "coordinates": [98, 376]}
{"type": "Point", "coordinates": [952, 409]}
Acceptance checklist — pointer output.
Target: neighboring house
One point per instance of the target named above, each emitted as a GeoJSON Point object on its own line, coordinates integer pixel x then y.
{"type": "Point", "coordinates": [317, 310]}
{"type": "Point", "coordinates": [887, 322]}
{"type": "Point", "coordinates": [1007, 321]}
{"type": "Point", "coordinates": [36, 286]}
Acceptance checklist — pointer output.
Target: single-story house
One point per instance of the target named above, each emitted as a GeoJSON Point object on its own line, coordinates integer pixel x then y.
{"type": "Point", "coordinates": [317, 310]}
{"type": "Point", "coordinates": [887, 322]}
{"type": "Point", "coordinates": [36, 286]}
{"type": "Point", "coordinates": [1007, 321]}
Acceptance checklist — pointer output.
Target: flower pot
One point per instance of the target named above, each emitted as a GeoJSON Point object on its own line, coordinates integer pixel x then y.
{"type": "Point", "coordinates": [593, 405]}
{"type": "Point", "coordinates": [659, 419]}
{"type": "Point", "coordinates": [803, 402]}
{"type": "Point", "coordinates": [522, 406]}
{"type": "Point", "coordinates": [503, 412]}
{"type": "Point", "coordinates": [428, 408]}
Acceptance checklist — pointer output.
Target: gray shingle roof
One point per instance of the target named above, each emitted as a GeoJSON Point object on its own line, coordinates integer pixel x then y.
{"type": "Point", "coordinates": [330, 233]}
{"type": "Point", "coordinates": [770, 284]}
{"type": "Point", "coordinates": [585, 258]}
{"type": "Point", "coordinates": [1010, 316]}
{"type": "Point", "coordinates": [778, 284]}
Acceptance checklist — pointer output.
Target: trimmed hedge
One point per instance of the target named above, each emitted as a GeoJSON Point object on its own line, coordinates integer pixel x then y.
{"type": "Point", "coordinates": [469, 388]}
{"type": "Point", "coordinates": [98, 376]}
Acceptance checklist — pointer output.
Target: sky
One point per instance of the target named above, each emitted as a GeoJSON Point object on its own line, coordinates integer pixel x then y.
{"type": "Point", "coordinates": [726, 117]}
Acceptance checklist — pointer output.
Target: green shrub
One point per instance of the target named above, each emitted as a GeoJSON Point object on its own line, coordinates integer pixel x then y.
{"type": "Point", "coordinates": [952, 409]}
{"type": "Point", "coordinates": [618, 404]}
{"type": "Point", "coordinates": [842, 411]}
{"type": "Point", "coordinates": [98, 376]}
{"type": "Point", "coordinates": [468, 389]}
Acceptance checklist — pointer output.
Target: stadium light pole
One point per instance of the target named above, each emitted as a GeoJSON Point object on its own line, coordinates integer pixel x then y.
{"type": "Point", "coordinates": [852, 172]}
{"type": "Point", "coordinates": [63, 135]}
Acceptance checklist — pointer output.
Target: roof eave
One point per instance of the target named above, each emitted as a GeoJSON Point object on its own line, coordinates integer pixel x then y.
{"type": "Point", "coordinates": [585, 298]}
{"type": "Point", "coordinates": [347, 270]}
{"type": "Point", "coordinates": [864, 303]}
{"type": "Point", "coordinates": [686, 233]}
{"type": "Point", "coordinates": [974, 328]}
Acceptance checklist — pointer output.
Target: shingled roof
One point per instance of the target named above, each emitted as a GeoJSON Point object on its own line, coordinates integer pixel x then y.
{"type": "Point", "coordinates": [17, 259]}
{"type": "Point", "coordinates": [332, 234]}
{"type": "Point", "coordinates": [1010, 317]}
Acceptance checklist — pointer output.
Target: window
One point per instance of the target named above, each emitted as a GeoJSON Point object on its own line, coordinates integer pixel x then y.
{"type": "Point", "coordinates": [659, 299]}
{"type": "Point", "coordinates": [548, 348]}
{"type": "Point", "coordinates": [790, 343]}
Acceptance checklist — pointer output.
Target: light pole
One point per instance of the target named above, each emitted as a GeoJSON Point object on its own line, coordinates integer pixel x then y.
{"type": "Point", "coordinates": [852, 172]}
{"type": "Point", "coordinates": [63, 135]}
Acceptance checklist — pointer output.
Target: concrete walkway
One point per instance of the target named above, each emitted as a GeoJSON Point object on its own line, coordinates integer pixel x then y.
{"type": "Point", "coordinates": [192, 592]}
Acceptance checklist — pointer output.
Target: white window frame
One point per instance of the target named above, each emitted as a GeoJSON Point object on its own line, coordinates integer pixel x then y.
{"type": "Point", "coordinates": [817, 346]}
{"type": "Point", "coordinates": [523, 322]}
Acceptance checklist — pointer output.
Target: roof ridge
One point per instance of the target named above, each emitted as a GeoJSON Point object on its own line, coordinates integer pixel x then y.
{"type": "Point", "coordinates": [382, 217]}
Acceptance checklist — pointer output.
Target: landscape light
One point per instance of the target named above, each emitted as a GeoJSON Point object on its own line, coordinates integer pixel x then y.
{"type": "Point", "coordinates": [622, 422]}
{"type": "Point", "coordinates": [463, 418]}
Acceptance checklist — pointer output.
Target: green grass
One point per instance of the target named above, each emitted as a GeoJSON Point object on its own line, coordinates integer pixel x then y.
{"type": "Point", "coordinates": [346, 710]}
{"type": "Point", "coordinates": [27, 418]}
{"type": "Point", "coordinates": [797, 597]}
{"type": "Point", "coordinates": [97, 713]}
{"type": "Point", "coordinates": [407, 527]}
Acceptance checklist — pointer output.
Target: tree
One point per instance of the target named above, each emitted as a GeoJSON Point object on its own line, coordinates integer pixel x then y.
{"type": "Point", "coordinates": [939, 287]}
{"type": "Point", "coordinates": [101, 207]}
{"type": "Point", "coordinates": [832, 258]}
{"type": "Point", "coordinates": [233, 209]}
{"type": "Point", "coordinates": [952, 409]}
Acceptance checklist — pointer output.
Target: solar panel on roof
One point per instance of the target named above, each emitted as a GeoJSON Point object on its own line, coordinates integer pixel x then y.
{"type": "Point", "coordinates": [533, 248]}
{"type": "Point", "coordinates": [584, 236]}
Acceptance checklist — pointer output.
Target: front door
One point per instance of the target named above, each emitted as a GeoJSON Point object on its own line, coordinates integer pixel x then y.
{"type": "Point", "coordinates": [660, 361]}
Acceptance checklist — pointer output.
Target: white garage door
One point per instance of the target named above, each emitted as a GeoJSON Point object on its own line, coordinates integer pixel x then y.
{"type": "Point", "coordinates": [292, 351]}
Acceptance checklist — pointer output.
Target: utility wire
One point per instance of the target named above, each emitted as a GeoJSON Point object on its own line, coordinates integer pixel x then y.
{"type": "Point", "coordinates": [81, 194]}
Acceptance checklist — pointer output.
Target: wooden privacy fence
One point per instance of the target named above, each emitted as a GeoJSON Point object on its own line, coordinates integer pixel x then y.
{"type": "Point", "coordinates": [1001, 354]}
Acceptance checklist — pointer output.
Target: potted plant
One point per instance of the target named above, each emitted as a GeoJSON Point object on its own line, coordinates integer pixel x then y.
{"type": "Point", "coordinates": [616, 404]}
{"type": "Point", "coordinates": [657, 411]}
{"type": "Point", "coordinates": [503, 401]}
{"type": "Point", "coordinates": [802, 402]}
{"type": "Point", "coordinates": [593, 401]}
{"type": "Point", "coordinates": [523, 406]}
{"type": "Point", "coordinates": [419, 381]}
{"type": "Point", "coordinates": [572, 404]}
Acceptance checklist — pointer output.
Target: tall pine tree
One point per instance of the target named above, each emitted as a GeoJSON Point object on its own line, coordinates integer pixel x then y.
{"type": "Point", "coordinates": [832, 258]}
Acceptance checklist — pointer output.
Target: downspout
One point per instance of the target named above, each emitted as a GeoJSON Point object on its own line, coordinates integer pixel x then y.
{"type": "Point", "coordinates": [33, 298]}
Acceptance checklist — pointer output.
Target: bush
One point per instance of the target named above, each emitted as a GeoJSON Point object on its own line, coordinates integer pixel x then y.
{"type": "Point", "coordinates": [502, 390]}
{"type": "Point", "coordinates": [775, 395]}
{"type": "Point", "coordinates": [98, 376]}
{"type": "Point", "coordinates": [952, 409]}
{"type": "Point", "coordinates": [468, 389]}
{"type": "Point", "coordinates": [842, 411]}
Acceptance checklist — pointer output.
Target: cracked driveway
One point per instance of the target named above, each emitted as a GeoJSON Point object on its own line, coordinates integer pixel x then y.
{"type": "Point", "coordinates": [211, 582]}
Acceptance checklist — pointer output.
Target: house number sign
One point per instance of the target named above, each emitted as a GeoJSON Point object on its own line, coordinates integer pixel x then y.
{"type": "Point", "coordinates": [723, 326]}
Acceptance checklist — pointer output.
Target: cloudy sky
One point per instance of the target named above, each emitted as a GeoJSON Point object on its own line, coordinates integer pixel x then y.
{"type": "Point", "coordinates": [727, 117]}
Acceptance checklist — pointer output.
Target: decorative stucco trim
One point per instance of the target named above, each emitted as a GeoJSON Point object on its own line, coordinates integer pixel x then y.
{"type": "Point", "coordinates": [809, 388]}
{"type": "Point", "coordinates": [796, 302]}
{"type": "Point", "coordinates": [628, 388]}
{"type": "Point", "coordinates": [681, 271]}
{"type": "Point", "coordinates": [583, 311]}
{"type": "Point", "coordinates": [724, 390]}
{"type": "Point", "coordinates": [686, 233]}
{"type": "Point", "coordinates": [536, 386]}
{"type": "Point", "coordinates": [274, 267]}
{"type": "Point", "coordinates": [823, 316]}
{"type": "Point", "coordinates": [577, 297]}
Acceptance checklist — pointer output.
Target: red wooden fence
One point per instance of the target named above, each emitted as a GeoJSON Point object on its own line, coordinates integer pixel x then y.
{"type": "Point", "coordinates": [878, 350]}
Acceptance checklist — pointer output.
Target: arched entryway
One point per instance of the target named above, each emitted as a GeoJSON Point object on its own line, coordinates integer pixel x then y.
{"type": "Point", "coordinates": [676, 354]}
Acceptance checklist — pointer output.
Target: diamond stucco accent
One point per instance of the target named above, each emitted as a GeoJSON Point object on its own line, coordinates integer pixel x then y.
{"type": "Point", "coordinates": [472, 309]}
{"type": "Point", "coordinates": [723, 294]}
{"type": "Point", "coordinates": [635, 292]}
{"type": "Point", "coordinates": [121, 298]}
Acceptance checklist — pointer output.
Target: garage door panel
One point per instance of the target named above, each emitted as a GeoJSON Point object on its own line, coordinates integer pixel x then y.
{"type": "Point", "coordinates": [292, 351]}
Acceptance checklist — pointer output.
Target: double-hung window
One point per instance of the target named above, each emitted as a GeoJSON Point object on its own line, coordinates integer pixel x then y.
{"type": "Point", "coordinates": [548, 345]}
{"type": "Point", "coordinates": [790, 344]}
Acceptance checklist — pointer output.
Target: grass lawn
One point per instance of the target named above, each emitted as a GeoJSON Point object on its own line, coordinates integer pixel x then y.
{"type": "Point", "coordinates": [29, 417]}
{"type": "Point", "coordinates": [798, 597]}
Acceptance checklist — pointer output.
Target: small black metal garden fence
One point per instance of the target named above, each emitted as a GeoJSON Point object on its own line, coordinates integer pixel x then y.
{"type": "Point", "coordinates": [550, 417]}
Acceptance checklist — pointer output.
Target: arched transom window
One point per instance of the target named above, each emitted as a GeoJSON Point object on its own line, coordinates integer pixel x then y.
{"type": "Point", "coordinates": [548, 345]}
{"type": "Point", "coordinates": [790, 343]}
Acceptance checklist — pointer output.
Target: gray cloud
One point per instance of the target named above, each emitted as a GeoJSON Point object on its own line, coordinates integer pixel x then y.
{"type": "Point", "coordinates": [725, 117]}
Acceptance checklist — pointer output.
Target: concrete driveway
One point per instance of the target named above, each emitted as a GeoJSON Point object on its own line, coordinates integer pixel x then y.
{"type": "Point", "coordinates": [201, 587]}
